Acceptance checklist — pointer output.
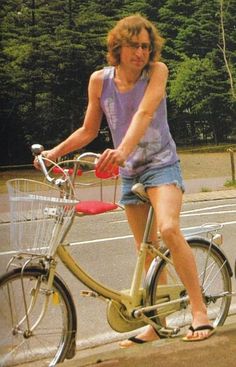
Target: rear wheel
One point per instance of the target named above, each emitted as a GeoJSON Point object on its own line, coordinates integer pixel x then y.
{"type": "Point", "coordinates": [50, 341]}
{"type": "Point", "coordinates": [215, 280]}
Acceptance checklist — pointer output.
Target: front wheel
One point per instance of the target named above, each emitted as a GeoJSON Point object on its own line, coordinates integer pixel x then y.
{"type": "Point", "coordinates": [37, 324]}
{"type": "Point", "coordinates": [167, 289]}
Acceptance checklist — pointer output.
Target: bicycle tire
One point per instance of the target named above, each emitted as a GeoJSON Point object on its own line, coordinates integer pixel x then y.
{"type": "Point", "coordinates": [52, 339]}
{"type": "Point", "coordinates": [217, 279]}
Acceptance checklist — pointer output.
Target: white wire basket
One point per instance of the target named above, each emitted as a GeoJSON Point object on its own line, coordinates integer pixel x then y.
{"type": "Point", "coordinates": [40, 218]}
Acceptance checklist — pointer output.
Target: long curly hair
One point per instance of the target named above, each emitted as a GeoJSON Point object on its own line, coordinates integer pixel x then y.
{"type": "Point", "coordinates": [124, 30]}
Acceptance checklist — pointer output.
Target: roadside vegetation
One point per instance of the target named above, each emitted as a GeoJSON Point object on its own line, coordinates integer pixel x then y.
{"type": "Point", "coordinates": [221, 148]}
{"type": "Point", "coordinates": [196, 162]}
{"type": "Point", "coordinates": [49, 49]}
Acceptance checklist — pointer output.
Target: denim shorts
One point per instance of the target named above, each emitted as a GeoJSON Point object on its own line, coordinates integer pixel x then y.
{"type": "Point", "coordinates": [152, 177]}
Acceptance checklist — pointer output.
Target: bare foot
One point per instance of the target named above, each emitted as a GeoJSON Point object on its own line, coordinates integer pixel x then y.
{"type": "Point", "coordinates": [147, 335]}
{"type": "Point", "coordinates": [201, 328]}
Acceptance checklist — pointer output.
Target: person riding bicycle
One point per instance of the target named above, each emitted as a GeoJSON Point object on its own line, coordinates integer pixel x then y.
{"type": "Point", "coordinates": [131, 92]}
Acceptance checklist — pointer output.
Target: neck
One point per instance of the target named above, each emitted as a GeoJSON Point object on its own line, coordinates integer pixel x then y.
{"type": "Point", "coordinates": [130, 76]}
{"type": "Point", "coordinates": [126, 79]}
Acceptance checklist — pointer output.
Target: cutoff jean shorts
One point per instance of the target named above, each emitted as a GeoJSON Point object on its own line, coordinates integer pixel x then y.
{"type": "Point", "coordinates": [152, 177]}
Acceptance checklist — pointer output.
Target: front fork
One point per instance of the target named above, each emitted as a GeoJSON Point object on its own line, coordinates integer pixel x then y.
{"type": "Point", "coordinates": [35, 292]}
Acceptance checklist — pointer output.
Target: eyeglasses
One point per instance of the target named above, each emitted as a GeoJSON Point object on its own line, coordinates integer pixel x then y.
{"type": "Point", "coordinates": [146, 47]}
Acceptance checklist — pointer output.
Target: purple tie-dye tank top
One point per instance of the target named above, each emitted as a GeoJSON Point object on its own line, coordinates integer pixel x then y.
{"type": "Point", "coordinates": [156, 148]}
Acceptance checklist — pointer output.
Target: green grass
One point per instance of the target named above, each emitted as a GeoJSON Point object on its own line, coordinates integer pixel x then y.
{"type": "Point", "coordinates": [205, 189]}
{"type": "Point", "coordinates": [230, 184]}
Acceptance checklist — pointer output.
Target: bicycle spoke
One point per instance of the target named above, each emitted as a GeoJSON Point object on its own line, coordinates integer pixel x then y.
{"type": "Point", "coordinates": [216, 288]}
{"type": "Point", "coordinates": [47, 334]}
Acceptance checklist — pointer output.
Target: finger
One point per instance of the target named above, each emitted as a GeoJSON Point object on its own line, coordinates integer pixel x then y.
{"type": "Point", "coordinates": [36, 163]}
{"type": "Point", "coordinates": [104, 160]}
{"type": "Point", "coordinates": [103, 165]}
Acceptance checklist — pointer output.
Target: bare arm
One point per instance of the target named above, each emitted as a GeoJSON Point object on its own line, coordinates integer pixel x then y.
{"type": "Point", "coordinates": [89, 131]}
{"type": "Point", "coordinates": [154, 93]}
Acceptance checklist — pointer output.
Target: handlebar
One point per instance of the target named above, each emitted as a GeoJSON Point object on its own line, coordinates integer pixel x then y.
{"type": "Point", "coordinates": [37, 150]}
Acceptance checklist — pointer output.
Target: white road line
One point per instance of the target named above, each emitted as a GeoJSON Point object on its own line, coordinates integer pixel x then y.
{"type": "Point", "coordinates": [223, 224]}
{"type": "Point", "coordinates": [191, 213]}
{"type": "Point", "coordinates": [106, 239]}
{"type": "Point", "coordinates": [207, 213]}
{"type": "Point", "coordinates": [109, 239]}
{"type": "Point", "coordinates": [7, 253]}
{"type": "Point", "coordinates": [208, 208]}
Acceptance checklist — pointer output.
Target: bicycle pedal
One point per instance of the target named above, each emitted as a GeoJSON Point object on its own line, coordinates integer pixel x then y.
{"type": "Point", "coordinates": [85, 293]}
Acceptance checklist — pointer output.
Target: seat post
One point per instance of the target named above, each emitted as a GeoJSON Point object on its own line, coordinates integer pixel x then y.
{"type": "Point", "coordinates": [138, 271]}
{"type": "Point", "coordinates": [149, 224]}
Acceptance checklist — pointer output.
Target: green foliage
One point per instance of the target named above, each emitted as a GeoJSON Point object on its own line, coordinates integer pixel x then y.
{"type": "Point", "coordinates": [191, 72]}
{"type": "Point", "coordinates": [230, 184]}
{"type": "Point", "coordinates": [50, 48]}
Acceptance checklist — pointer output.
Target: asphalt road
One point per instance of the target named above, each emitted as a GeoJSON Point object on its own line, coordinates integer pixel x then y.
{"type": "Point", "coordinates": [104, 246]}
{"type": "Point", "coordinates": [111, 259]}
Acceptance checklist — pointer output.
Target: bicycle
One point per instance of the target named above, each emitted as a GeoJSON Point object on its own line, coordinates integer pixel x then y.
{"type": "Point", "coordinates": [38, 319]}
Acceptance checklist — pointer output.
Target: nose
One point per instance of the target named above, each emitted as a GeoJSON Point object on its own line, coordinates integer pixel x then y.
{"type": "Point", "coordinates": [139, 50]}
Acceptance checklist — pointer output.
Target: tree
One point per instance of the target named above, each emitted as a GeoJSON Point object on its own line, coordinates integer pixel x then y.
{"type": "Point", "coordinates": [193, 39]}
{"type": "Point", "coordinates": [204, 103]}
{"type": "Point", "coordinates": [229, 55]}
{"type": "Point", "coordinates": [43, 61]}
{"type": "Point", "coordinates": [50, 48]}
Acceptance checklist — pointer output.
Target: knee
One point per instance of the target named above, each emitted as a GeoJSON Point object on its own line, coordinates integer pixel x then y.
{"type": "Point", "coordinates": [170, 233]}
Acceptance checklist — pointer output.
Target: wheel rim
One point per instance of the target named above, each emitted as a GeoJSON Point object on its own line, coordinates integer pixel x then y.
{"type": "Point", "coordinates": [46, 344]}
{"type": "Point", "coordinates": [214, 281]}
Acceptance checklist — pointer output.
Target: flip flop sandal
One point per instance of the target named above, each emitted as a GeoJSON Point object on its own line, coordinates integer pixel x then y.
{"type": "Point", "coordinates": [134, 340]}
{"type": "Point", "coordinates": [200, 328]}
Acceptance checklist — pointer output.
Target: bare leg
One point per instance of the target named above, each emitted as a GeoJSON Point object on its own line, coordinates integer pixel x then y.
{"type": "Point", "coordinates": [137, 217]}
{"type": "Point", "coordinates": [166, 201]}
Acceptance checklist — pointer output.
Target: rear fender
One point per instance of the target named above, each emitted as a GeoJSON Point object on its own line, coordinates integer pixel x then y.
{"type": "Point", "coordinates": [151, 275]}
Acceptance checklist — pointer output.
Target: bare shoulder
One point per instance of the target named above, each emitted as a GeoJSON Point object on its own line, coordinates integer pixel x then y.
{"type": "Point", "coordinates": [96, 82]}
{"type": "Point", "coordinates": [97, 76]}
{"type": "Point", "coordinates": [159, 68]}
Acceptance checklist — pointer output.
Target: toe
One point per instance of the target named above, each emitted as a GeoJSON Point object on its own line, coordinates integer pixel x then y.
{"type": "Point", "coordinates": [126, 344]}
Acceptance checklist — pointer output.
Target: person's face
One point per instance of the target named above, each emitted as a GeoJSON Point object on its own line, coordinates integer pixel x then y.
{"type": "Point", "coordinates": [136, 52]}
